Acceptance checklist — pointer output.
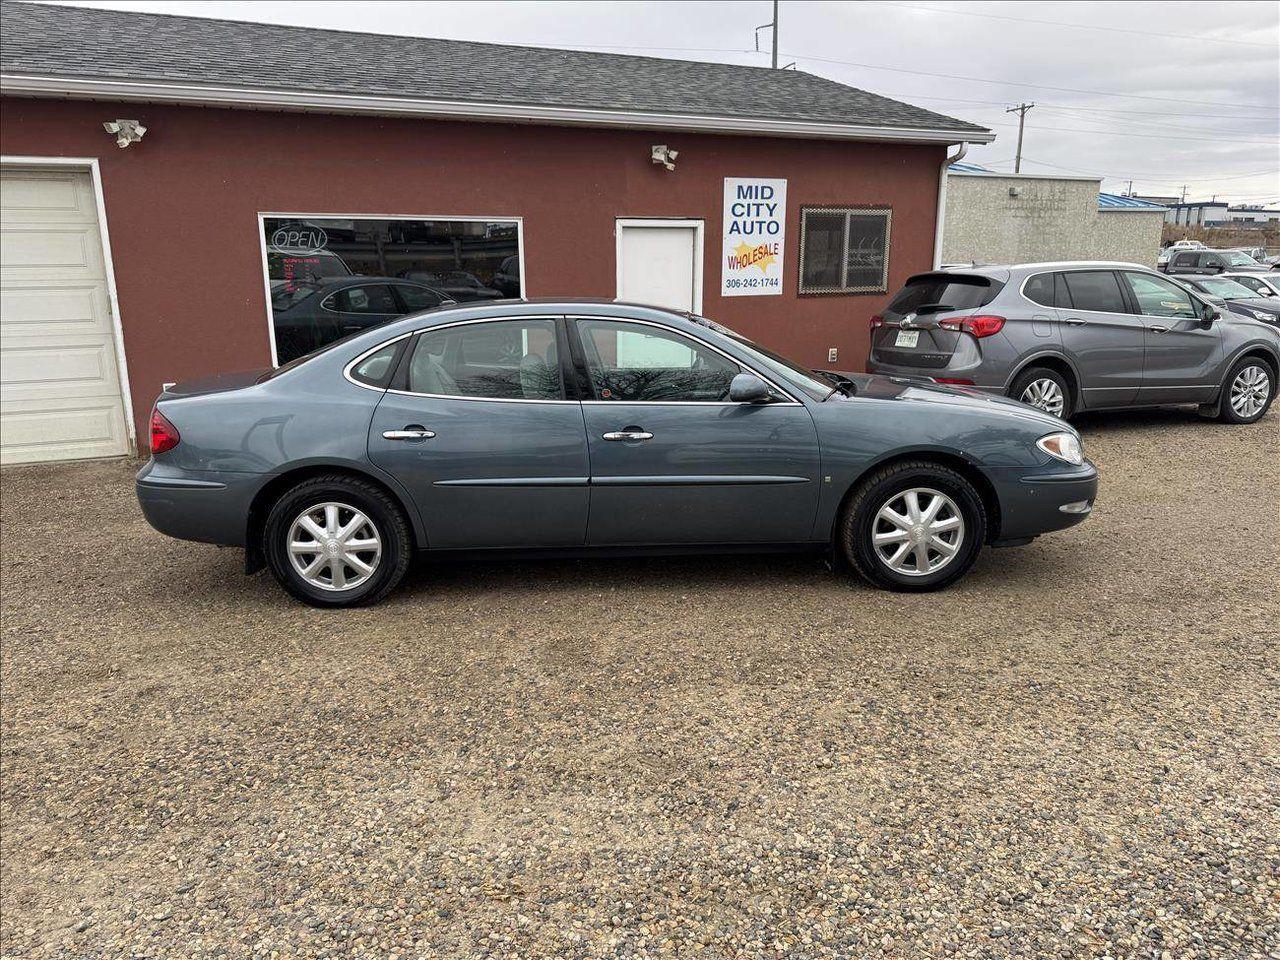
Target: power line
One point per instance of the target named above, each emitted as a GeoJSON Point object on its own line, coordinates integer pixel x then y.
{"type": "Point", "coordinates": [1033, 86]}
{"type": "Point", "coordinates": [1079, 26]}
{"type": "Point", "coordinates": [1150, 136]}
{"type": "Point", "coordinates": [1156, 178]}
{"type": "Point", "coordinates": [1090, 109]}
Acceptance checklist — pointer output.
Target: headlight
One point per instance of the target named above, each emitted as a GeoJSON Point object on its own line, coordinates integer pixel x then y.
{"type": "Point", "coordinates": [1259, 315]}
{"type": "Point", "coordinates": [1062, 446]}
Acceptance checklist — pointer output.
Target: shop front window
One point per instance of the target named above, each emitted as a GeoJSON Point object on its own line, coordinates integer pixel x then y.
{"type": "Point", "coordinates": [319, 271]}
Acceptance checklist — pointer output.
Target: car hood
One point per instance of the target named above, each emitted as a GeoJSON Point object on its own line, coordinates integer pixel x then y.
{"type": "Point", "coordinates": [1265, 304]}
{"type": "Point", "coordinates": [925, 394]}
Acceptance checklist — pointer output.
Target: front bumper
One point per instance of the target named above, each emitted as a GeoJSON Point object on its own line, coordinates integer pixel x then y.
{"type": "Point", "coordinates": [207, 506]}
{"type": "Point", "coordinates": [1033, 503]}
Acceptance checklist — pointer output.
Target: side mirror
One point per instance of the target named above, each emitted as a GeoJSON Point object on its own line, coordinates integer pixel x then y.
{"type": "Point", "coordinates": [1209, 314]}
{"type": "Point", "coordinates": [1215, 267]}
{"type": "Point", "coordinates": [748, 388]}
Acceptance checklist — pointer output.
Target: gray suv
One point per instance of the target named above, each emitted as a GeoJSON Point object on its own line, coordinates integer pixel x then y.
{"type": "Point", "coordinates": [1066, 337]}
{"type": "Point", "coordinates": [1207, 262]}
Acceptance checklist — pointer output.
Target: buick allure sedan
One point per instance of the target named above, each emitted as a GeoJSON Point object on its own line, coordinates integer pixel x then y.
{"type": "Point", "coordinates": [594, 428]}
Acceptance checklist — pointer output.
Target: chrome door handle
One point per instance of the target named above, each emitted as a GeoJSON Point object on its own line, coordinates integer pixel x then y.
{"type": "Point", "coordinates": [1076, 321]}
{"type": "Point", "coordinates": [629, 435]}
{"type": "Point", "coordinates": [409, 433]}
{"type": "Point", "coordinates": [1158, 329]}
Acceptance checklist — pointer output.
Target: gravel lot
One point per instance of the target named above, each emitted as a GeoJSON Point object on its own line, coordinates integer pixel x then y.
{"type": "Point", "coordinates": [1074, 753]}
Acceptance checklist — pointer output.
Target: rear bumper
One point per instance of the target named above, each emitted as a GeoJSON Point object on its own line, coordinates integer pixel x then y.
{"type": "Point", "coordinates": [981, 379]}
{"type": "Point", "coordinates": [206, 506]}
{"type": "Point", "coordinates": [1041, 502]}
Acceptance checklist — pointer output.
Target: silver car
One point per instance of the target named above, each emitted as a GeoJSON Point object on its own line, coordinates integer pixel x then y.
{"type": "Point", "coordinates": [1077, 336]}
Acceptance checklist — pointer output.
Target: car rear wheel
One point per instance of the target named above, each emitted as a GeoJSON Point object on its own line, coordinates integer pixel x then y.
{"type": "Point", "coordinates": [336, 541]}
{"type": "Point", "coordinates": [913, 527]}
{"type": "Point", "coordinates": [1044, 389]}
{"type": "Point", "coordinates": [1248, 391]}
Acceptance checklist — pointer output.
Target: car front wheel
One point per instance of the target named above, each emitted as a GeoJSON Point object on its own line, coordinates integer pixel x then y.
{"type": "Point", "coordinates": [1247, 393]}
{"type": "Point", "coordinates": [913, 527]}
{"type": "Point", "coordinates": [337, 541]}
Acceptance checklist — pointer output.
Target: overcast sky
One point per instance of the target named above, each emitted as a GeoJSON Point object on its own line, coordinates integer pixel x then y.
{"type": "Point", "coordinates": [1166, 94]}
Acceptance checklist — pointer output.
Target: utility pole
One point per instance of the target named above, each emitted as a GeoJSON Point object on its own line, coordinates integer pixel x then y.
{"type": "Point", "coordinates": [1184, 194]}
{"type": "Point", "coordinates": [773, 24]}
{"type": "Point", "coordinates": [1021, 110]}
{"type": "Point", "coordinates": [775, 34]}
{"type": "Point", "coordinates": [1131, 188]}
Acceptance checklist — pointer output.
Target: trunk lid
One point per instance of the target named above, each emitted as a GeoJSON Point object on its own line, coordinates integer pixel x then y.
{"type": "Point", "coordinates": [909, 334]}
{"type": "Point", "coordinates": [219, 383]}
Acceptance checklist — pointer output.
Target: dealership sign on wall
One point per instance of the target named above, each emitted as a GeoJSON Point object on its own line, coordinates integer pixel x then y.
{"type": "Point", "coordinates": [755, 225]}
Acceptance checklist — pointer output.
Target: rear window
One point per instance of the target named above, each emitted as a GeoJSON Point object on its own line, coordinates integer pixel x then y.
{"type": "Point", "coordinates": [944, 291]}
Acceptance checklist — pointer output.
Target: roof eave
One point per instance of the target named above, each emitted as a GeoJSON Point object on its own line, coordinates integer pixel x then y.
{"type": "Point", "coordinates": [315, 101]}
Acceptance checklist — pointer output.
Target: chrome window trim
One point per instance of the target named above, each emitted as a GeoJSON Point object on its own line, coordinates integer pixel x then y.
{"type": "Point", "coordinates": [741, 365]}
{"type": "Point", "coordinates": [1101, 313]}
{"type": "Point", "coordinates": [346, 371]}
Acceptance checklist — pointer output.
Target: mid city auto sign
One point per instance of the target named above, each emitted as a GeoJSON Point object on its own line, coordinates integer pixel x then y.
{"type": "Point", "coordinates": [755, 221]}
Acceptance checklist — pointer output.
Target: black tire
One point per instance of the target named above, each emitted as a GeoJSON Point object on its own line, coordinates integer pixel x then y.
{"type": "Point", "coordinates": [1032, 374]}
{"type": "Point", "coordinates": [1226, 412]}
{"type": "Point", "coordinates": [382, 512]}
{"type": "Point", "coordinates": [859, 520]}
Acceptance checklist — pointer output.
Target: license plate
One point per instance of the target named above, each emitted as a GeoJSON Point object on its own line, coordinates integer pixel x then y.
{"type": "Point", "coordinates": [907, 338]}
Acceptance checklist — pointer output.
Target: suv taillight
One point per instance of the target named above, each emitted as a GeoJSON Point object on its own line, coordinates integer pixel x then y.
{"type": "Point", "coordinates": [979, 327]}
{"type": "Point", "coordinates": [164, 435]}
{"type": "Point", "coordinates": [877, 321]}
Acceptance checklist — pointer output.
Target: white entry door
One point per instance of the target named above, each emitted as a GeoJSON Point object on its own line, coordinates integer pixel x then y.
{"type": "Point", "coordinates": [660, 263]}
{"type": "Point", "coordinates": [60, 393]}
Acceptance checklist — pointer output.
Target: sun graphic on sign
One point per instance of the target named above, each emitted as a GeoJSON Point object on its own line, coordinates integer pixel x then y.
{"type": "Point", "coordinates": [762, 260]}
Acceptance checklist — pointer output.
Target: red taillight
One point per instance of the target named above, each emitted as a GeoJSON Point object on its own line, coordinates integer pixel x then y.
{"type": "Point", "coordinates": [980, 326]}
{"type": "Point", "coordinates": [164, 435]}
{"type": "Point", "coordinates": [877, 321]}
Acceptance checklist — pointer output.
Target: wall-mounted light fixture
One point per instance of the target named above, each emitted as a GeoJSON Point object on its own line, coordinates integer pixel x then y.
{"type": "Point", "coordinates": [126, 131]}
{"type": "Point", "coordinates": [659, 153]}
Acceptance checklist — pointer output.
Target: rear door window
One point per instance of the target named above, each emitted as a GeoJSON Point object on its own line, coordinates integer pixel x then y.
{"type": "Point", "coordinates": [1096, 290]}
{"type": "Point", "coordinates": [1185, 260]}
{"type": "Point", "coordinates": [493, 360]}
{"type": "Point", "coordinates": [375, 298]}
{"type": "Point", "coordinates": [942, 292]}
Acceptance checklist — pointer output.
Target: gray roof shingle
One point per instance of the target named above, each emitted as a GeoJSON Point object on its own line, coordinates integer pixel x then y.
{"type": "Point", "coordinates": [82, 43]}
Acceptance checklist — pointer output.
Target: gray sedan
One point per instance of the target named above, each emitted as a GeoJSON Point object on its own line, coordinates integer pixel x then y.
{"type": "Point", "coordinates": [1067, 337]}
{"type": "Point", "coordinates": [594, 428]}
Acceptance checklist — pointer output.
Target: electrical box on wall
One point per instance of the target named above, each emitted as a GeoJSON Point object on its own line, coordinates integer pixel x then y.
{"type": "Point", "coordinates": [831, 355]}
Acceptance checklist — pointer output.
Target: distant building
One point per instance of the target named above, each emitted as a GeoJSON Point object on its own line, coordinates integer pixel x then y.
{"type": "Point", "coordinates": [1018, 218]}
{"type": "Point", "coordinates": [1205, 213]}
{"type": "Point", "coordinates": [1212, 213]}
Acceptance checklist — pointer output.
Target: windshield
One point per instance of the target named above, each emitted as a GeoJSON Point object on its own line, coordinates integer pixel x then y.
{"type": "Point", "coordinates": [793, 374]}
{"type": "Point", "coordinates": [1238, 259]}
{"type": "Point", "coordinates": [1227, 289]}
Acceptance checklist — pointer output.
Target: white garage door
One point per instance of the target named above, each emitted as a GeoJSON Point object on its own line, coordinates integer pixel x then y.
{"type": "Point", "coordinates": [60, 396]}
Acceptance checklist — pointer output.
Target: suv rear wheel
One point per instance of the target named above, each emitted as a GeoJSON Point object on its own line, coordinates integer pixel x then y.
{"type": "Point", "coordinates": [1045, 389]}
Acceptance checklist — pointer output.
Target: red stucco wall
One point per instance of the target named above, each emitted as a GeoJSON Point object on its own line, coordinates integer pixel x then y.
{"type": "Point", "coordinates": [182, 212]}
